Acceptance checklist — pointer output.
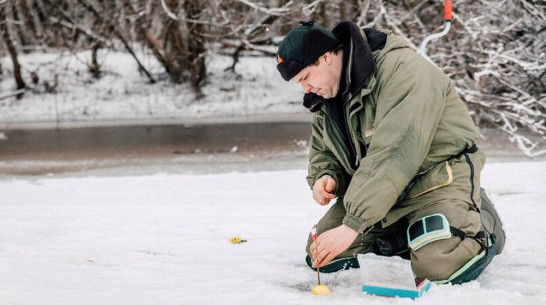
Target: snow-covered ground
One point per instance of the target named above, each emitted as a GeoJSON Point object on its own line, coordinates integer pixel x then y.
{"type": "Point", "coordinates": [164, 239]}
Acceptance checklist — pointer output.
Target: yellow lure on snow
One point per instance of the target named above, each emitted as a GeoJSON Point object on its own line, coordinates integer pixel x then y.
{"type": "Point", "coordinates": [320, 290]}
{"type": "Point", "coordinates": [237, 240]}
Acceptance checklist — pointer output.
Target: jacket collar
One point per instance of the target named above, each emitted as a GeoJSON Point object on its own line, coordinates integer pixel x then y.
{"type": "Point", "coordinates": [361, 64]}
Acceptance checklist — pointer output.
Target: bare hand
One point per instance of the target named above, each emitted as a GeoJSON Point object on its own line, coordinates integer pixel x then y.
{"type": "Point", "coordinates": [323, 190]}
{"type": "Point", "coordinates": [331, 243]}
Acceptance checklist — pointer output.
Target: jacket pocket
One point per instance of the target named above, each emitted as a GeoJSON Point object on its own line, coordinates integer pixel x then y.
{"type": "Point", "coordinates": [437, 177]}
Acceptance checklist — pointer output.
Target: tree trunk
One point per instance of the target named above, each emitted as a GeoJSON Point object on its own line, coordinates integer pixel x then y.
{"type": "Point", "coordinates": [196, 47]}
{"type": "Point", "coordinates": [95, 67]}
{"type": "Point", "coordinates": [173, 45]}
{"type": "Point", "coordinates": [29, 21]}
{"type": "Point", "coordinates": [11, 49]}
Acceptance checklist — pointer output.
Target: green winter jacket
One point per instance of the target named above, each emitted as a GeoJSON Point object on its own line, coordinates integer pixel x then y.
{"type": "Point", "coordinates": [404, 118]}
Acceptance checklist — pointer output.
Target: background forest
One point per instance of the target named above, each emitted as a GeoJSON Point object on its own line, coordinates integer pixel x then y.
{"type": "Point", "coordinates": [495, 51]}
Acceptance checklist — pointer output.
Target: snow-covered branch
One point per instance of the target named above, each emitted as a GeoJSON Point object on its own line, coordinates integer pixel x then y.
{"type": "Point", "coordinates": [167, 11]}
{"type": "Point", "coordinates": [281, 11]}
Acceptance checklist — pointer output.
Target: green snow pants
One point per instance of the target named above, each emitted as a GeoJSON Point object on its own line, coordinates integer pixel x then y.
{"type": "Point", "coordinates": [438, 260]}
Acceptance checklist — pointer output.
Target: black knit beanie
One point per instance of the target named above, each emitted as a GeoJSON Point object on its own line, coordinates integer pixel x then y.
{"type": "Point", "coordinates": [303, 46]}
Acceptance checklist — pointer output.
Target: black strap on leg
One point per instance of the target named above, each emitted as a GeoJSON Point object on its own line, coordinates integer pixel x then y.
{"type": "Point", "coordinates": [480, 237]}
{"type": "Point", "coordinates": [457, 232]}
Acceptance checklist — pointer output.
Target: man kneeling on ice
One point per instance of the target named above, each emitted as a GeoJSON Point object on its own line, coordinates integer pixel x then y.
{"type": "Point", "coordinates": [394, 143]}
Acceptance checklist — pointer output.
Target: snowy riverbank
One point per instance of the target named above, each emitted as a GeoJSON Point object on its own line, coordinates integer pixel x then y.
{"type": "Point", "coordinates": [122, 96]}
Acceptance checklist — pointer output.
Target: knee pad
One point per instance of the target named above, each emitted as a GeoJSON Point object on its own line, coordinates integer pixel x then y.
{"type": "Point", "coordinates": [436, 227]}
{"type": "Point", "coordinates": [428, 229]}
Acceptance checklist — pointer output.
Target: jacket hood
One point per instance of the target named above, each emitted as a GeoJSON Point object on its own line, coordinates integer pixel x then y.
{"type": "Point", "coordinates": [362, 67]}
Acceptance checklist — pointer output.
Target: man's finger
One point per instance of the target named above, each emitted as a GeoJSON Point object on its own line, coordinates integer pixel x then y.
{"type": "Point", "coordinates": [313, 247]}
{"type": "Point", "coordinates": [327, 194]}
{"type": "Point", "coordinates": [330, 185]}
{"type": "Point", "coordinates": [319, 259]}
{"type": "Point", "coordinates": [327, 259]}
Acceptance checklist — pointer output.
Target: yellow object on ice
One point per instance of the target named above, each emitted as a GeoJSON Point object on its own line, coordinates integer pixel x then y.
{"type": "Point", "coordinates": [320, 290]}
{"type": "Point", "coordinates": [237, 240]}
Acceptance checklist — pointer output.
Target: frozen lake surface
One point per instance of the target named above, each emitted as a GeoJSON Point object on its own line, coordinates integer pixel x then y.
{"type": "Point", "coordinates": [153, 226]}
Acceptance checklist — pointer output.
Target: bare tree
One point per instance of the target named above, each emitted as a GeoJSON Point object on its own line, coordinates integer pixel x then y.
{"type": "Point", "coordinates": [255, 30]}
{"type": "Point", "coordinates": [498, 63]}
{"type": "Point", "coordinates": [5, 9]}
{"type": "Point", "coordinates": [495, 51]}
{"type": "Point", "coordinates": [196, 44]}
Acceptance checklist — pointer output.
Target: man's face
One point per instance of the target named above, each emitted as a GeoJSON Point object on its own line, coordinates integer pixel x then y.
{"type": "Point", "coordinates": [322, 78]}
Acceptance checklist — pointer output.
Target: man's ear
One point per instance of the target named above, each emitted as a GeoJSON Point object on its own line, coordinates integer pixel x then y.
{"type": "Point", "coordinates": [328, 56]}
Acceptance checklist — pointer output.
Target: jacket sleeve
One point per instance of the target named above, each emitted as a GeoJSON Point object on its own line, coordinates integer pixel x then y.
{"type": "Point", "coordinates": [322, 160]}
{"type": "Point", "coordinates": [410, 99]}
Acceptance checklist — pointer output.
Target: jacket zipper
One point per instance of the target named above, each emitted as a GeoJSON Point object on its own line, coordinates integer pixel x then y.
{"type": "Point", "coordinates": [351, 140]}
{"type": "Point", "coordinates": [338, 134]}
